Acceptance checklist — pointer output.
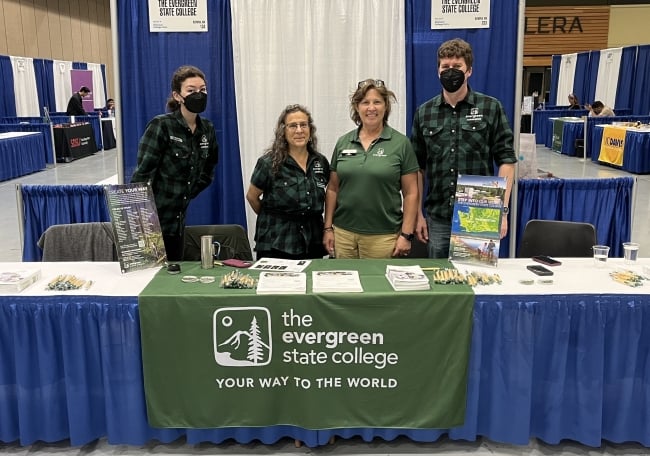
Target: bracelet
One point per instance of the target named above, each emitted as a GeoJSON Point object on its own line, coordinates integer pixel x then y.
{"type": "Point", "coordinates": [328, 228]}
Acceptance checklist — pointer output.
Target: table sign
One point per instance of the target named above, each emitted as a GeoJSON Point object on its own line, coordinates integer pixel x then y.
{"type": "Point", "coordinates": [613, 145]}
{"type": "Point", "coordinates": [138, 236]}
{"type": "Point", "coordinates": [476, 221]}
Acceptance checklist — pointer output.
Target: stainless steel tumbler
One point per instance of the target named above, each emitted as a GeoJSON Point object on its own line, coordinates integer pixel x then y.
{"type": "Point", "coordinates": [207, 252]}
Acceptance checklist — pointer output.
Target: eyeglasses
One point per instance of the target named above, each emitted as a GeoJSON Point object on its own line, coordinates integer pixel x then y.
{"type": "Point", "coordinates": [375, 82]}
{"type": "Point", "coordinates": [294, 126]}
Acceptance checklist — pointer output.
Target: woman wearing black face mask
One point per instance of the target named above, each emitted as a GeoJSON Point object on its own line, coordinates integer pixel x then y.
{"type": "Point", "coordinates": [177, 155]}
{"type": "Point", "coordinates": [457, 132]}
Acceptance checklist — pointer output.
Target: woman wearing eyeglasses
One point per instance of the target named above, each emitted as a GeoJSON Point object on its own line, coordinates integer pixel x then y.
{"type": "Point", "coordinates": [287, 190]}
{"type": "Point", "coordinates": [371, 200]}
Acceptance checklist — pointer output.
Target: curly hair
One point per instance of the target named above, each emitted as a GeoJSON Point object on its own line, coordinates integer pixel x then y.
{"type": "Point", "coordinates": [179, 76]}
{"type": "Point", "coordinates": [456, 48]}
{"type": "Point", "coordinates": [362, 89]}
{"type": "Point", "coordinates": [279, 148]}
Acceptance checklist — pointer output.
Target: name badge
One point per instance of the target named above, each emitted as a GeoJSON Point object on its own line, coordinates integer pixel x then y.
{"type": "Point", "coordinates": [348, 152]}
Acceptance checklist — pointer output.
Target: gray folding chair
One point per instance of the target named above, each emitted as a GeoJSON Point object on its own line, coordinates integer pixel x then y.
{"type": "Point", "coordinates": [79, 242]}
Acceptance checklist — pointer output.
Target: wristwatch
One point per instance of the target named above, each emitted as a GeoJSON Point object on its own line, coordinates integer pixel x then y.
{"type": "Point", "coordinates": [408, 236]}
{"type": "Point", "coordinates": [506, 210]}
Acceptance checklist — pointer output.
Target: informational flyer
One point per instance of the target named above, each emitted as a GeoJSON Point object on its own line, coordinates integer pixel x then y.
{"type": "Point", "coordinates": [476, 223]}
{"type": "Point", "coordinates": [460, 14]}
{"type": "Point", "coordinates": [138, 237]}
{"type": "Point", "coordinates": [178, 15]}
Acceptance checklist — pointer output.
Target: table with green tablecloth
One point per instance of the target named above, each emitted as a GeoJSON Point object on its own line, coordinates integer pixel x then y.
{"type": "Point", "coordinates": [217, 357]}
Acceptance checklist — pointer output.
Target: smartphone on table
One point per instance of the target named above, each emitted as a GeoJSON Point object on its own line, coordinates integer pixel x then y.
{"type": "Point", "coordinates": [539, 270]}
{"type": "Point", "coordinates": [547, 260]}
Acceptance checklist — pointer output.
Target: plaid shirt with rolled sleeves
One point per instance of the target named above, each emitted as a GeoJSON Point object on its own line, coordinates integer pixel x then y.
{"type": "Point", "coordinates": [467, 139]}
{"type": "Point", "coordinates": [291, 218]}
{"type": "Point", "coordinates": [178, 163]}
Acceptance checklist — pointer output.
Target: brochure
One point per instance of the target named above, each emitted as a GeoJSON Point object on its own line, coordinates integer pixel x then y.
{"type": "Point", "coordinates": [17, 281]}
{"type": "Point", "coordinates": [336, 282]}
{"type": "Point", "coordinates": [476, 222]}
{"type": "Point", "coordinates": [138, 237]}
{"type": "Point", "coordinates": [403, 278]}
{"type": "Point", "coordinates": [276, 282]}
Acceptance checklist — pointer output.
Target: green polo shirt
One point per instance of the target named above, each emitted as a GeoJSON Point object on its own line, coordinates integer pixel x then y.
{"type": "Point", "coordinates": [369, 200]}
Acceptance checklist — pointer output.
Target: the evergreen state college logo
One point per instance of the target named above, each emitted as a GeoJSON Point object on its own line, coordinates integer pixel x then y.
{"type": "Point", "coordinates": [242, 336]}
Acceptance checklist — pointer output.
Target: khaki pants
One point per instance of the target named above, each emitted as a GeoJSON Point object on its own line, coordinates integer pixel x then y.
{"type": "Point", "coordinates": [348, 244]}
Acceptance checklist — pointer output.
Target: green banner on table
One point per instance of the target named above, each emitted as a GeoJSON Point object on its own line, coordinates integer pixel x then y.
{"type": "Point", "coordinates": [216, 358]}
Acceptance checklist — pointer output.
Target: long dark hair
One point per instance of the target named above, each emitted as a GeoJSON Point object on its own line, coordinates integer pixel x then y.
{"type": "Point", "coordinates": [279, 148]}
{"type": "Point", "coordinates": [179, 76]}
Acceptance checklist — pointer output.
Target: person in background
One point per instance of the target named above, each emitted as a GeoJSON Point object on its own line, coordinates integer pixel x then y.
{"type": "Point", "coordinates": [177, 155]}
{"type": "Point", "coordinates": [287, 190]}
{"type": "Point", "coordinates": [573, 102]}
{"type": "Point", "coordinates": [459, 131]}
{"type": "Point", "coordinates": [373, 168]}
{"type": "Point", "coordinates": [75, 104]}
{"type": "Point", "coordinates": [598, 109]}
{"type": "Point", "coordinates": [109, 109]}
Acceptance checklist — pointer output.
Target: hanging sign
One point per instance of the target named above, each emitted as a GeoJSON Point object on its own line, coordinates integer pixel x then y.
{"type": "Point", "coordinates": [460, 14]}
{"type": "Point", "coordinates": [178, 16]}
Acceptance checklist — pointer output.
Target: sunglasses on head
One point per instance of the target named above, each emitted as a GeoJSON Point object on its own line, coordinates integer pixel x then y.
{"type": "Point", "coordinates": [374, 82]}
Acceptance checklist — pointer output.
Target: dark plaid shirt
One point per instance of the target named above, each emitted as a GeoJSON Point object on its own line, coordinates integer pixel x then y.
{"type": "Point", "coordinates": [291, 218]}
{"type": "Point", "coordinates": [178, 164]}
{"type": "Point", "coordinates": [467, 139]}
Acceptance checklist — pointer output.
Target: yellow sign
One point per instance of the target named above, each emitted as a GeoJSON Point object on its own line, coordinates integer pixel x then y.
{"type": "Point", "coordinates": [612, 145]}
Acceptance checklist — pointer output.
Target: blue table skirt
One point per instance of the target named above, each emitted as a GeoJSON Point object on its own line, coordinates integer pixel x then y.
{"type": "Point", "coordinates": [636, 153]}
{"type": "Point", "coordinates": [21, 155]}
{"type": "Point", "coordinates": [552, 367]}
{"type": "Point", "coordinates": [543, 128]}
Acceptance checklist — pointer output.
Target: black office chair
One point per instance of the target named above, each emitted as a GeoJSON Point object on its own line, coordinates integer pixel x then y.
{"type": "Point", "coordinates": [557, 239]}
{"type": "Point", "coordinates": [79, 242]}
{"type": "Point", "coordinates": [233, 239]}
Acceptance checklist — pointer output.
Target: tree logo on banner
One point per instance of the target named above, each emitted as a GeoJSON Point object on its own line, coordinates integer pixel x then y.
{"type": "Point", "coordinates": [242, 336]}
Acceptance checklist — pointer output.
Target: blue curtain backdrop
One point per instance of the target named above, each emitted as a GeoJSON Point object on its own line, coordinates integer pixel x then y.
{"type": "Point", "coordinates": [641, 100]}
{"type": "Point", "coordinates": [556, 61]}
{"type": "Point", "coordinates": [46, 205]}
{"type": "Point", "coordinates": [44, 71]}
{"type": "Point", "coordinates": [594, 63]}
{"type": "Point", "coordinates": [147, 61]}
{"type": "Point", "coordinates": [495, 55]}
{"type": "Point", "coordinates": [626, 76]}
{"type": "Point", "coordinates": [605, 203]}
{"type": "Point", "coordinates": [580, 80]}
{"type": "Point", "coordinates": [8, 98]}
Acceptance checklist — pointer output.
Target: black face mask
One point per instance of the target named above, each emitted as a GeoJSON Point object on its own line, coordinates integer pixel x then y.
{"type": "Point", "coordinates": [452, 79]}
{"type": "Point", "coordinates": [196, 102]}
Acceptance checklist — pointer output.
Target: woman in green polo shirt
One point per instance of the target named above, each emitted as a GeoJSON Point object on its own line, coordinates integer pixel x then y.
{"type": "Point", "coordinates": [372, 196]}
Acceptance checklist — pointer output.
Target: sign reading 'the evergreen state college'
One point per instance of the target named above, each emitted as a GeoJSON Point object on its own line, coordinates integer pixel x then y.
{"type": "Point", "coordinates": [308, 361]}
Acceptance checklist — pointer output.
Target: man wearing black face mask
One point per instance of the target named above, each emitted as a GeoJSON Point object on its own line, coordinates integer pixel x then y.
{"type": "Point", "coordinates": [457, 132]}
{"type": "Point", "coordinates": [177, 154]}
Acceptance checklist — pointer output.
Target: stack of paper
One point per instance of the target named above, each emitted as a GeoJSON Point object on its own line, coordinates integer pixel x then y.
{"type": "Point", "coordinates": [404, 278]}
{"type": "Point", "coordinates": [336, 282]}
{"type": "Point", "coordinates": [17, 281]}
{"type": "Point", "coordinates": [282, 283]}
